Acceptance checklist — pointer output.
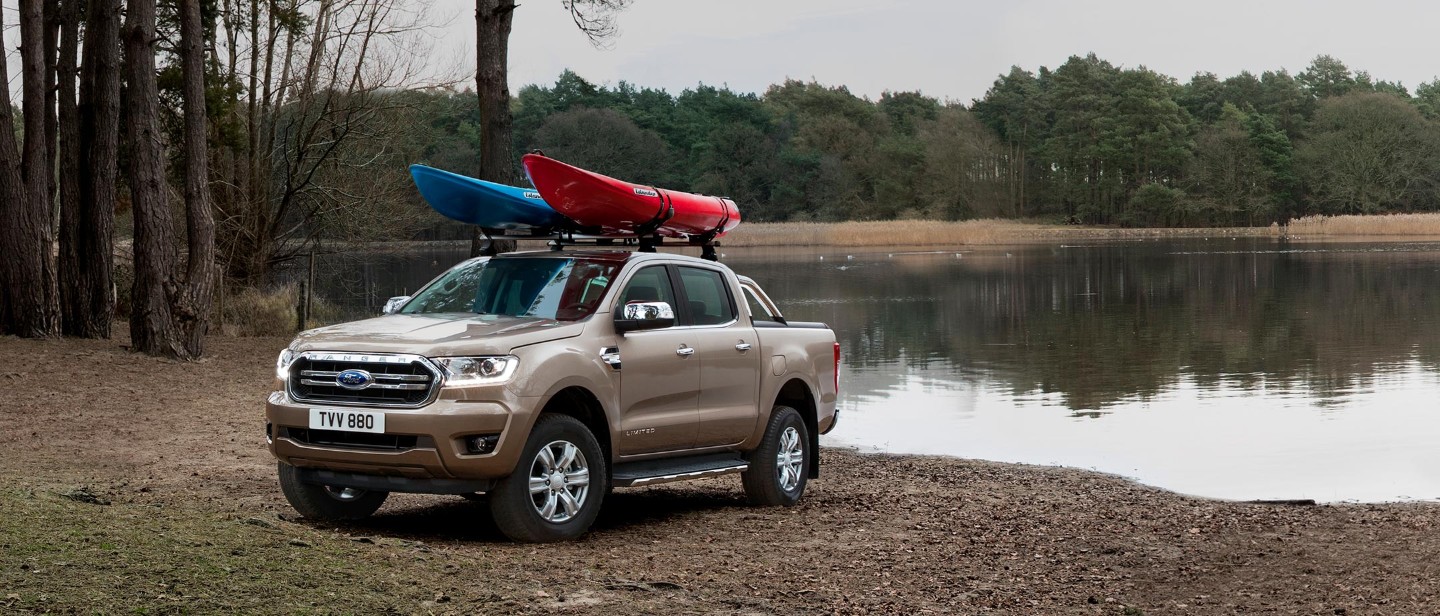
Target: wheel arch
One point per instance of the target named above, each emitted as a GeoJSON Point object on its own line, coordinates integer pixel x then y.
{"type": "Point", "coordinates": [799, 395]}
{"type": "Point", "coordinates": [582, 404]}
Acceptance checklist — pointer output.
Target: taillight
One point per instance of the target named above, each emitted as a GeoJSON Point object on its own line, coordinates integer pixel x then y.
{"type": "Point", "coordinates": [837, 368]}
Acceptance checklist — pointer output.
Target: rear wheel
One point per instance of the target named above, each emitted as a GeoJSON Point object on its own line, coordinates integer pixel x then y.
{"type": "Point", "coordinates": [556, 490]}
{"type": "Point", "coordinates": [779, 468]}
{"type": "Point", "coordinates": [327, 503]}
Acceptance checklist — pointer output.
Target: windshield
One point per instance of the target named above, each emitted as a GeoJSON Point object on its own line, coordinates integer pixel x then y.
{"type": "Point", "coordinates": [546, 288]}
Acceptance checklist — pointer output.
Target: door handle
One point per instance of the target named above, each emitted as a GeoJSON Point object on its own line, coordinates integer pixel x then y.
{"type": "Point", "coordinates": [611, 357]}
{"type": "Point", "coordinates": [684, 351]}
{"type": "Point", "coordinates": [742, 347]}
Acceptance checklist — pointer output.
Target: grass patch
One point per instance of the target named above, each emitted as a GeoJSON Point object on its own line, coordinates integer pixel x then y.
{"type": "Point", "coordinates": [61, 555]}
{"type": "Point", "coordinates": [1388, 224]}
{"type": "Point", "coordinates": [252, 312]}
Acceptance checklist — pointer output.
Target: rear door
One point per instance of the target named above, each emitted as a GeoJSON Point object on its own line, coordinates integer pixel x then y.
{"type": "Point", "coordinates": [659, 379]}
{"type": "Point", "coordinates": [729, 357]}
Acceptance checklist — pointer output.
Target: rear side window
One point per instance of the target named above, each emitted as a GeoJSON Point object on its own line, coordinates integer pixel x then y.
{"type": "Point", "coordinates": [709, 298]}
{"type": "Point", "coordinates": [758, 311]}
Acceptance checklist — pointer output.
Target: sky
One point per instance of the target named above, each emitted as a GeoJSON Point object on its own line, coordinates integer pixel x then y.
{"type": "Point", "coordinates": [952, 49]}
{"type": "Point", "coordinates": [948, 49]}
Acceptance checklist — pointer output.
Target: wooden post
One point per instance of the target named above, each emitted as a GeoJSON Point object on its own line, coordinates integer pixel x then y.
{"type": "Point", "coordinates": [302, 307]}
{"type": "Point", "coordinates": [311, 282]}
{"type": "Point", "coordinates": [220, 303]}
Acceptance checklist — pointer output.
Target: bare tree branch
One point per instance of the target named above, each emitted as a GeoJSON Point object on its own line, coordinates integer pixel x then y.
{"type": "Point", "coordinates": [596, 18]}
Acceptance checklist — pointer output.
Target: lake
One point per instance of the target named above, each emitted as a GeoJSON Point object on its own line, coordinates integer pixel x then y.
{"type": "Point", "coordinates": [1252, 368]}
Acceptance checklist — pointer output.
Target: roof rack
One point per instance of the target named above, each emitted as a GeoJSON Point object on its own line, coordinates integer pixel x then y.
{"type": "Point", "coordinates": [558, 239]}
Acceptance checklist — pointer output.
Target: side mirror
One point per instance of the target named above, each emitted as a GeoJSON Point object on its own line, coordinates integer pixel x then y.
{"type": "Point", "coordinates": [393, 304]}
{"type": "Point", "coordinates": [636, 316]}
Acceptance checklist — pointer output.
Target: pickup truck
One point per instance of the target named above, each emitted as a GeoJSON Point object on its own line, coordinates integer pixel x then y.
{"type": "Point", "coordinates": [539, 381]}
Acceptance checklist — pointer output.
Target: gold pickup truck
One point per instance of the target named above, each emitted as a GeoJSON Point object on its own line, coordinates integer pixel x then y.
{"type": "Point", "coordinates": [544, 379]}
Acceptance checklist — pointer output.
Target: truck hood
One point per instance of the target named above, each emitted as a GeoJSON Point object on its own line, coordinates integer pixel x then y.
{"type": "Point", "coordinates": [437, 335]}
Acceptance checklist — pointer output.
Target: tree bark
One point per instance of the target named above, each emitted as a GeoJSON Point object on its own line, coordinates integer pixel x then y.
{"type": "Point", "coordinates": [50, 39]}
{"type": "Point", "coordinates": [193, 311]}
{"type": "Point", "coordinates": [90, 277]}
{"type": "Point", "coordinates": [152, 326]}
{"type": "Point", "coordinates": [14, 235]}
{"type": "Point", "coordinates": [492, 41]}
{"type": "Point", "coordinates": [33, 299]}
{"type": "Point", "coordinates": [74, 298]}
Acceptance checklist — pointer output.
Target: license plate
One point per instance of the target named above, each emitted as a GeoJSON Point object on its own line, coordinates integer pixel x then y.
{"type": "Point", "coordinates": [347, 421]}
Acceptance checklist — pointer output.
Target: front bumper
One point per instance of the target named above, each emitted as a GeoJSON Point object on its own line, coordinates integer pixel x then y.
{"type": "Point", "coordinates": [430, 444]}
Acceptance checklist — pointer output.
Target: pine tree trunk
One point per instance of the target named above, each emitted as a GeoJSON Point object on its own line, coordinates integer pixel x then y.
{"type": "Point", "coordinates": [193, 311]}
{"type": "Point", "coordinates": [13, 237]}
{"type": "Point", "coordinates": [74, 288]}
{"type": "Point", "coordinates": [33, 291]}
{"type": "Point", "coordinates": [92, 304]}
{"type": "Point", "coordinates": [152, 328]}
{"type": "Point", "coordinates": [492, 41]}
{"type": "Point", "coordinates": [50, 39]}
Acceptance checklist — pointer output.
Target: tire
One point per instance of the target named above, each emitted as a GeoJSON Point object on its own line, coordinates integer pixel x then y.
{"type": "Point", "coordinates": [780, 468]}
{"type": "Point", "coordinates": [327, 503]}
{"type": "Point", "coordinates": [560, 454]}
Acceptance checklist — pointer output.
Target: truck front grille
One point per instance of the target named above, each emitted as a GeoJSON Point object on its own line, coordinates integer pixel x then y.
{"type": "Point", "coordinates": [395, 380]}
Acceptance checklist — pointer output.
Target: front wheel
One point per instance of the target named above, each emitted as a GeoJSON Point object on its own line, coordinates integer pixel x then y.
{"type": "Point", "coordinates": [556, 490]}
{"type": "Point", "coordinates": [327, 503]}
{"type": "Point", "coordinates": [780, 467]}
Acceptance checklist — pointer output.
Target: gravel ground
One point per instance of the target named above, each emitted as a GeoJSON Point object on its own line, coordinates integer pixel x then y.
{"type": "Point", "coordinates": [132, 483]}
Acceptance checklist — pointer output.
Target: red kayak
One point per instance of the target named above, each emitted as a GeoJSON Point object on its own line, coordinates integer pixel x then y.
{"type": "Point", "coordinates": [620, 208]}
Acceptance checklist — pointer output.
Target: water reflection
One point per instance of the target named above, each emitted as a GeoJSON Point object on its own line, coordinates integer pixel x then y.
{"type": "Point", "coordinates": [1249, 368]}
{"type": "Point", "coordinates": [1237, 369]}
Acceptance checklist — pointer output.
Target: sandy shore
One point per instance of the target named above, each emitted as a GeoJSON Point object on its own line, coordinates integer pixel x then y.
{"type": "Point", "coordinates": [135, 484]}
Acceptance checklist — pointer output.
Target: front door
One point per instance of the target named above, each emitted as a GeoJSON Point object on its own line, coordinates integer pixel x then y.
{"type": "Point", "coordinates": [659, 379]}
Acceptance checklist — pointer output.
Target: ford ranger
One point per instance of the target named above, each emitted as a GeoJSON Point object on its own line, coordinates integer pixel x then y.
{"type": "Point", "coordinates": [542, 380]}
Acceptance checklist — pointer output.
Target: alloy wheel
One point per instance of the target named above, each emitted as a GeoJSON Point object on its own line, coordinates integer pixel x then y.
{"type": "Point", "coordinates": [559, 481]}
{"type": "Point", "coordinates": [789, 459]}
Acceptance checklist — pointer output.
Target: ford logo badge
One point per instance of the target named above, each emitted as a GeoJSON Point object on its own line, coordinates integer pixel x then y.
{"type": "Point", "coordinates": [354, 379]}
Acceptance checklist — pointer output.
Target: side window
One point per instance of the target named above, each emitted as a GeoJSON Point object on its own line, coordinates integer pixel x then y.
{"type": "Point", "coordinates": [709, 298]}
{"type": "Point", "coordinates": [758, 311]}
{"type": "Point", "coordinates": [650, 284]}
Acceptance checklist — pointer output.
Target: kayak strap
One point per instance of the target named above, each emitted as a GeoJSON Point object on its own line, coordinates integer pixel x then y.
{"type": "Point", "coordinates": [667, 211]}
{"type": "Point", "coordinates": [709, 236]}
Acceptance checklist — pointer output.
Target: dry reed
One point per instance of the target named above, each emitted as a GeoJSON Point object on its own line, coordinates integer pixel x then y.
{"type": "Point", "coordinates": [257, 312]}
{"type": "Point", "coordinates": [1389, 224]}
{"type": "Point", "coordinates": [946, 233]}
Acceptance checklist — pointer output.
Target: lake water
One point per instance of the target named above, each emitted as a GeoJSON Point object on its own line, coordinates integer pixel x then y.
{"type": "Point", "coordinates": [1253, 368]}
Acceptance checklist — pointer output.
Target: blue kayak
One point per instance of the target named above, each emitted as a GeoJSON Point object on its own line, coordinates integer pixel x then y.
{"type": "Point", "coordinates": [487, 204]}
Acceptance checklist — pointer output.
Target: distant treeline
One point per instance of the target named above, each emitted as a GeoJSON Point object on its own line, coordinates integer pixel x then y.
{"type": "Point", "coordinates": [1086, 142]}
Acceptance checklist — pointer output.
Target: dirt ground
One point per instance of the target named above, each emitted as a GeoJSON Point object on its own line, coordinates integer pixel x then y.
{"type": "Point", "coordinates": [136, 485]}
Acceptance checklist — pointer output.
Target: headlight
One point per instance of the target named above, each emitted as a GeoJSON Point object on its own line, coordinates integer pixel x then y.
{"type": "Point", "coordinates": [472, 371]}
{"type": "Point", "coordinates": [282, 364]}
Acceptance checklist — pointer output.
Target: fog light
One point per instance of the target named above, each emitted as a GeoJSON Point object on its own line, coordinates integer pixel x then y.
{"type": "Point", "coordinates": [481, 444]}
{"type": "Point", "coordinates": [268, 432]}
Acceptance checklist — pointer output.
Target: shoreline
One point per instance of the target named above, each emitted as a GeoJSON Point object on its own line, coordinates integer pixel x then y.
{"type": "Point", "coordinates": [150, 487]}
{"type": "Point", "coordinates": [999, 232]}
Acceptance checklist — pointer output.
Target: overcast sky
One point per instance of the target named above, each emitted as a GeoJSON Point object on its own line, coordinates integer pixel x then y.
{"type": "Point", "coordinates": [953, 49]}
{"type": "Point", "coordinates": [949, 49]}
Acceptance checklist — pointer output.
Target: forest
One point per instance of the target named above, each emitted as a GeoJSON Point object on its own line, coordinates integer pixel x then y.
{"type": "Point", "coordinates": [207, 143]}
{"type": "Point", "coordinates": [1086, 142]}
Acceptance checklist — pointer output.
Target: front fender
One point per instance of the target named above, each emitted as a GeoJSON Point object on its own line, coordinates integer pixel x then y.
{"type": "Point", "coordinates": [548, 369]}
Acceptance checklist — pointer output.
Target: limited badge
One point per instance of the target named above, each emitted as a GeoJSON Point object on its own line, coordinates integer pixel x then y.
{"type": "Point", "coordinates": [530, 194]}
{"type": "Point", "coordinates": [646, 192]}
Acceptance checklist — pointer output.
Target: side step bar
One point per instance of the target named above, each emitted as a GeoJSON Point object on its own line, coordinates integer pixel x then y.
{"type": "Point", "coordinates": [651, 472]}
